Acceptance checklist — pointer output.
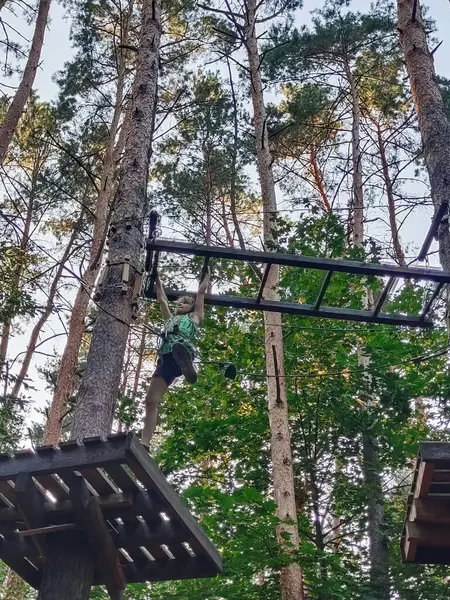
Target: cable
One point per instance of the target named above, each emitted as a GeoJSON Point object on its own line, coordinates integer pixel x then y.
{"type": "Point", "coordinates": [417, 359]}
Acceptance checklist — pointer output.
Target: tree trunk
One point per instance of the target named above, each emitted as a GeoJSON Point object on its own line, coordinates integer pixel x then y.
{"type": "Point", "coordinates": [379, 553]}
{"type": "Point", "coordinates": [234, 153]}
{"type": "Point", "coordinates": [398, 250]}
{"type": "Point", "coordinates": [433, 122]}
{"type": "Point", "coordinates": [318, 180]}
{"type": "Point", "coordinates": [357, 199]}
{"type": "Point", "coordinates": [31, 347]}
{"type": "Point", "coordinates": [22, 94]}
{"type": "Point", "coordinates": [70, 577]}
{"type": "Point", "coordinates": [95, 408]}
{"type": "Point", "coordinates": [282, 470]}
{"type": "Point", "coordinates": [6, 327]}
{"type": "Point", "coordinates": [379, 558]}
{"type": "Point", "coordinates": [69, 361]}
{"type": "Point", "coordinates": [68, 569]}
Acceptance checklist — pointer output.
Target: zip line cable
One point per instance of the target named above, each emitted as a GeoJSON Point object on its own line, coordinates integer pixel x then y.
{"type": "Point", "coordinates": [417, 359]}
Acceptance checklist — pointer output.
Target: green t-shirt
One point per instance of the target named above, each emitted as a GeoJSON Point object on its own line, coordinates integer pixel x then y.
{"type": "Point", "coordinates": [181, 329]}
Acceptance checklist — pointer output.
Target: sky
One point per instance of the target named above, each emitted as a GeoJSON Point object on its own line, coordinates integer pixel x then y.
{"type": "Point", "coordinates": [57, 50]}
{"type": "Point", "coordinates": [57, 46]}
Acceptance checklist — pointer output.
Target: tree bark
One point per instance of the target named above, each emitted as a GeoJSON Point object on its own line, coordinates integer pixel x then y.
{"type": "Point", "coordinates": [22, 94]}
{"type": "Point", "coordinates": [71, 576]}
{"type": "Point", "coordinates": [68, 569]}
{"type": "Point", "coordinates": [96, 401]}
{"type": "Point", "coordinates": [379, 557]}
{"type": "Point", "coordinates": [357, 199]}
{"type": "Point", "coordinates": [282, 469]}
{"type": "Point", "coordinates": [234, 153]}
{"type": "Point", "coordinates": [433, 122]}
{"type": "Point", "coordinates": [65, 383]}
{"type": "Point", "coordinates": [318, 180]}
{"type": "Point", "coordinates": [398, 250]}
{"type": "Point", "coordinates": [379, 552]}
{"type": "Point", "coordinates": [31, 346]}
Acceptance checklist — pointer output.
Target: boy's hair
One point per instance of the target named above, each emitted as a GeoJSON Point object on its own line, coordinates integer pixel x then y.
{"type": "Point", "coordinates": [188, 300]}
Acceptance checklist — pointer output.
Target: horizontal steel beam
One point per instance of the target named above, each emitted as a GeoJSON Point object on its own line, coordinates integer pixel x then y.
{"type": "Point", "coordinates": [306, 310]}
{"type": "Point", "coordinates": [305, 262]}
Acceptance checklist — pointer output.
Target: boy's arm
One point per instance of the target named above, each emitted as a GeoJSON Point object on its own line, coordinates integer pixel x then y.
{"type": "Point", "coordinates": [199, 311]}
{"type": "Point", "coordinates": [162, 299]}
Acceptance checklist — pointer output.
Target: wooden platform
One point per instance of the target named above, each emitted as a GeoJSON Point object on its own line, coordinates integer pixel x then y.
{"type": "Point", "coordinates": [110, 492]}
{"type": "Point", "coordinates": [426, 531]}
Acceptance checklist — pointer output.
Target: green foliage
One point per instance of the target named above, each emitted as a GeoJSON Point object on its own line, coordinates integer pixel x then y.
{"type": "Point", "coordinates": [14, 301]}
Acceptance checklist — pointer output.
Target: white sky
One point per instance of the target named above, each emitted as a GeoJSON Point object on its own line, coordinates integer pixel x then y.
{"type": "Point", "coordinates": [57, 50]}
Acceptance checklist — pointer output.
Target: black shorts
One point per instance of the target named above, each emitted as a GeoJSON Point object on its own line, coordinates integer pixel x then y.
{"type": "Point", "coordinates": [167, 368]}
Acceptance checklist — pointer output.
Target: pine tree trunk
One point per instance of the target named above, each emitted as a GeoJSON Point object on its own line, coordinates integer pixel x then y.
{"type": "Point", "coordinates": [357, 199]}
{"type": "Point", "coordinates": [97, 396]}
{"type": "Point", "coordinates": [6, 327]}
{"type": "Point", "coordinates": [379, 558]}
{"type": "Point", "coordinates": [398, 250]}
{"type": "Point", "coordinates": [70, 577]}
{"type": "Point", "coordinates": [69, 361]}
{"type": "Point", "coordinates": [234, 153]}
{"type": "Point", "coordinates": [31, 346]}
{"type": "Point", "coordinates": [379, 552]}
{"type": "Point", "coordinates": [22, 94]}
{"type": "Point", "coordinates": [318, 180]}
{"type": "Point", "coordinates": [282, 469]}
{"type": "Point", "coordinates": [433, 122]}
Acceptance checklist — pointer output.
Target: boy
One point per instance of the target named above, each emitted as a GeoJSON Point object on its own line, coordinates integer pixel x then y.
{"type": "Point", "coordinates": [177, 352]}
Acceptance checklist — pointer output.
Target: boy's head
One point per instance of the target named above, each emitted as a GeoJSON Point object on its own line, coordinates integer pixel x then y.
{"type": "Point", "coordinates": [184, 305]}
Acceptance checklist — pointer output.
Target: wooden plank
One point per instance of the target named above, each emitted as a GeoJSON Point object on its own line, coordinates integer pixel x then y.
{"type": "Point", "coordinates": [70, 456]}
{"type": "Point", "coordinates": [435, 451]}
{"type": "Point", "coordinates": [51, 484]}
{"type": "Point", "coordinates": [25, 570]}
{"type": "Point", "coordinates": [13, 550]}
{"type": "Point", "coordinates": [439, 487]}
{"type": "Point", "coordinates": [145, 469]}
{"type": "Point", "coordinates": [110, 504]}
{"type": "Point", "coordinates": [441, 475]}
{"type": "Point", "coordinates": [48, 529]}
{"type": "Point", "coordinates": [430, 510]}
{"type": "Point", "coordinates": [7, 491]}
{"type": "Point", "coordinates": [122, 478]}
{"type": "Point", "coordinates": [410, 549]}
{"type": "Point", "coordinates": [133, 535]}
{"type": "Point", "coordinates": [432, 556]}
{"type": "Point", "coordinates": [30, 503]}
{"type": "Point", "coordinates": [140, 534]}
{"type": "Point", "coordinates": [424, 478]}
{"type": "Point", "coordinates": [144, 507]}
{"type": "Point", "coordinates": [89, 517]}
{"type": "Point", "coordinates": [98, 481]}
{"type": "Point", "coordinates": [167, 570]}
{"type": "Point", "coordinates": [428, 534]}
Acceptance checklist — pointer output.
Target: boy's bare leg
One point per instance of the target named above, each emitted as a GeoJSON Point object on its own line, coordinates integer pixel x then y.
{"type": "Point", "coordinates": [155, 392]}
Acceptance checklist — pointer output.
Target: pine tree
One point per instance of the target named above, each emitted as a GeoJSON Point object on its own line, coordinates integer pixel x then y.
{"type": "Point", "coordinates": [17, 106]}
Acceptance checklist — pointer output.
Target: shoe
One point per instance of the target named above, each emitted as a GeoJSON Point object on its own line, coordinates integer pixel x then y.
{"type": "Point", "coordinates": [183, 358]}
